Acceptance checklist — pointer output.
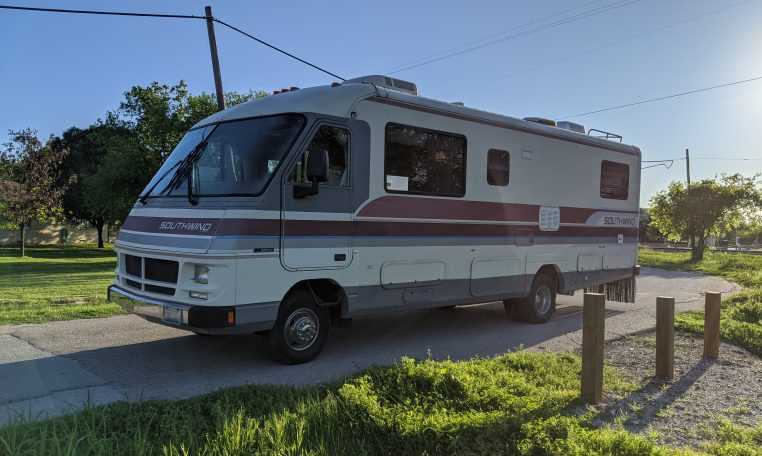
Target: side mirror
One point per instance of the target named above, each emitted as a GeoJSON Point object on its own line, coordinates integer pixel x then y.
{"type": "Point", "coordinates": [317, 171]}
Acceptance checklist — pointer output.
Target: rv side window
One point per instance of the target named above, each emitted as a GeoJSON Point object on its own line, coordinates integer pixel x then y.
{"type": "Point", "coordinates": [498, 167]}
{"type": "Point", "coordinates": [335, 141]}
{"type": "Point", "coordinates": [422, 161]}
{"type": "Point", "coordinates": [615, 180]}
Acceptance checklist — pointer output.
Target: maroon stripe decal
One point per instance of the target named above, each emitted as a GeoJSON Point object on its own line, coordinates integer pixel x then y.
{"type": "Point", "coordinates": [448, 209]}
{"type": "Point", "coordinates": [495, 123]}
{"type": "Point", "coordinates": [272, 227]}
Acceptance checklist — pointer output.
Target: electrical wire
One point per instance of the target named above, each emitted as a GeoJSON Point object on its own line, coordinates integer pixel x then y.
{"type": "Point", "coordinates": [505, 32]}
{"type": "Point", "coordinates": [99, 12]}
{"type": "Point", "coordinates": [277, 49]}
{"type": "Point", "coordinates": [557, 23]}
{"type": "Point", "coordinates": [666, 97]}
{"type": "Point", "coordinates": [169, 16]}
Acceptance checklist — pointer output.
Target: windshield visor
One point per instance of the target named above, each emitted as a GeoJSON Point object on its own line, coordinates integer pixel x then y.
{"type": "Point", "coordinates": [238, 159]}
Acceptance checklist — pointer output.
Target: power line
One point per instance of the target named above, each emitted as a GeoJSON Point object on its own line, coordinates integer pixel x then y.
{"type": "Point", "coordinates": [168, 16]}
{"type": "Point", "coordinates": [666, 97]}
{"type": "Point", "coordinates": [277, 48]}
{"type": "Point", "coordinates": [574, 18]}
{"type": "Point", "coordinates": [97, 12]}
{"type": "Point", "coordinates": [505, 32]}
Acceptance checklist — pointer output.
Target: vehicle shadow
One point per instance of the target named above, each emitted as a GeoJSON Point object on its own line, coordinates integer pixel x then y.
{"type": "Point", "coordinates": [186, 365]}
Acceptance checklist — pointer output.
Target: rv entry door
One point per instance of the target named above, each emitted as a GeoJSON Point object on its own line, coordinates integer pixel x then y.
{"type": "Point", "coordinates": [316, 215]}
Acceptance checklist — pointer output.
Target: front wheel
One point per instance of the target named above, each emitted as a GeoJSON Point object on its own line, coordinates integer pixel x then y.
{"type": "Point", "coordinates": [539, 306]}
{"type": "Point", "coordinates": [301, 330]}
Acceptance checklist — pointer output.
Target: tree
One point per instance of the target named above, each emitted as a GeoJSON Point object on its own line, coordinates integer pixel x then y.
{"type": "Point", "coordinates": [710, 207]}
{"type": "Point", "coordinates": [29, 186]}
{"type": "Point", "coordinates": [88, 198]}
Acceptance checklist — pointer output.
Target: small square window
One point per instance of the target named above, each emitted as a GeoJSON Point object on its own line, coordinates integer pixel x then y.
{"type": "Point", "coordinates": [498, 167]}
{"type": "Point", "coordinates": [615, 180]}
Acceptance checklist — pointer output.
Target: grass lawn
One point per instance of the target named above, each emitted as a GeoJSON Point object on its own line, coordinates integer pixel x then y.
{"type": "Point", "coordinates": [519, 403]}
{"type": "Point", "coordinates": [741, 318]}
{"type": "Point", "coordinates": [55, 283]}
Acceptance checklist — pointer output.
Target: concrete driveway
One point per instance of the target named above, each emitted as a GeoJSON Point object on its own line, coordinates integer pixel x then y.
{"type": "Point", "coordinates": [58, 367]}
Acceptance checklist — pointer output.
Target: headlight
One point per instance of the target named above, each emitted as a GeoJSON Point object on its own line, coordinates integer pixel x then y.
{"type": "Point", "coordinates": [201, 274]}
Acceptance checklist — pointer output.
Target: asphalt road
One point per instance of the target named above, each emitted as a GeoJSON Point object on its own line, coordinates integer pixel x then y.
{"type": "Point", "coordinates": [57, 367]}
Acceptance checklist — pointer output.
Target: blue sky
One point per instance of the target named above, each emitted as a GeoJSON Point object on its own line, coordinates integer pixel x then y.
{"type": "Point", "coordinates": [58, 71]}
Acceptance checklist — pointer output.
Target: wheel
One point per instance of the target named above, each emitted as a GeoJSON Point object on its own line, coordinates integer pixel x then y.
{"type": "Point", "coordinates": [300, 330]}
{"type": "Point", "coordinates": [539, 306]}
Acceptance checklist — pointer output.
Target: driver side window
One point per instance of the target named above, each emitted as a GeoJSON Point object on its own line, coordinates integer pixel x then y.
{"type": "Point", "coordinates": [335, 141]}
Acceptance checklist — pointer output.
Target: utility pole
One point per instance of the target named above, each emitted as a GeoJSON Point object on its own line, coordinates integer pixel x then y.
{"type": "Point", "coordinates": [215, 58]}
{"type": "Point", "coordinates": [691, 238]}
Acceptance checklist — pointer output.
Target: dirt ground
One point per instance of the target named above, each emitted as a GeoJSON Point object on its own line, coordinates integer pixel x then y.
{"type": "Point", "coordinates": [682, 412]}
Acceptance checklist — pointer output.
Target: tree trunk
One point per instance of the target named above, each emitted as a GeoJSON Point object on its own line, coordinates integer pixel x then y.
{"type": "Point", "coordinates": [22, 233]}
{"type": "Point", "coordinates": [697, 253]}
{"type": "Point", "coordinates": [99, 229]}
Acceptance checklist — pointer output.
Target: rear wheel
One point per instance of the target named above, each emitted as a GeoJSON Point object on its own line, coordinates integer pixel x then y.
{"type": "Point", "coordinates": [301, 329]}
{"type": "Point", "coordinates": [539, 306]}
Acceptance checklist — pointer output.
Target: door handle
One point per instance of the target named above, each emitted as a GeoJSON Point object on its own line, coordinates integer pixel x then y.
{"type": "Point", "coordinates": [340, 257]}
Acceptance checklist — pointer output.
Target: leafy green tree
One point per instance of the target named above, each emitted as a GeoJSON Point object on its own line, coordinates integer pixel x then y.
{"type": "Point", "coordinates": [85, 199]}
{"type": "Point", "coordinates": [30, 189]}
{"type": "Point", "coordinates": [710, 207]}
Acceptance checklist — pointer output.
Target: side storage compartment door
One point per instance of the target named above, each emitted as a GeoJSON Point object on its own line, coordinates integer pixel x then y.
{"type": "Point", "coordinates": [497, 276]}
{"type": "Point", "coordinates": [316, 229]}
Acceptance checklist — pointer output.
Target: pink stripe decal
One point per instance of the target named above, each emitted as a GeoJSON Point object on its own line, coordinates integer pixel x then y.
{"type": "Point", "coordinates": [448, 209]}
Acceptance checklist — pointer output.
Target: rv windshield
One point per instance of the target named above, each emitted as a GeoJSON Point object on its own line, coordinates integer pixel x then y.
{"type": "Point", "coordinates": [238, 158]}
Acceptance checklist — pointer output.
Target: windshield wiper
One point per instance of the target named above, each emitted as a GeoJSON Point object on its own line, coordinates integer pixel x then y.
{"type": "Point", "coordinates": [186, 165]}
{"type": "Point", "coordinates": [145, 195]}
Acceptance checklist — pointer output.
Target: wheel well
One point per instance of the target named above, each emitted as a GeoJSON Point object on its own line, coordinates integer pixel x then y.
{"type": "Point", "coordinates": [553, 271]}
{"type": "Point", "coordinates": [327, 292]}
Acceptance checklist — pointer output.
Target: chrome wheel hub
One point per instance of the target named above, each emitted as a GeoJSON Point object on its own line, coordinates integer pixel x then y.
{"type": "Point", "coordinates": [542, 300]}
{"type": "Point", "coordinates": [301, 329]}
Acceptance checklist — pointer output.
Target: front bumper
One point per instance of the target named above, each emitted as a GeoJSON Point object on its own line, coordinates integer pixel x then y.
{"type": "Point", "coordinates": [200, 319]}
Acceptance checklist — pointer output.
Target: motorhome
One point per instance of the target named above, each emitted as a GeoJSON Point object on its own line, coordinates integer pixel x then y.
{"type": "Point", "coordinates": [290, 213]}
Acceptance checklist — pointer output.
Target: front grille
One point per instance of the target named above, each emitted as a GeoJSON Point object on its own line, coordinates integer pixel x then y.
{"type": "Point", "coordinates": [161, 270]}
{"type": "Point", "coordinates": [133, 265]}
{"type": "Point", "coordinates": [139, 270]}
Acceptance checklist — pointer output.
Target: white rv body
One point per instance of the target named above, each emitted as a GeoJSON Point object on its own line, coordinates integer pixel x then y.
{"type": "Point", "coordinates": [370, 242]}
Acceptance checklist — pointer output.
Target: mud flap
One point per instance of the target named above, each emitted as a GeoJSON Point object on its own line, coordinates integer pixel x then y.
{"type": "Point", "coordinates": [619, 290]}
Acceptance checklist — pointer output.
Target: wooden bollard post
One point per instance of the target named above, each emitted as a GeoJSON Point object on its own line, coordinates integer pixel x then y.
{"type": "Point", "coordinates": [593, 333]}
{"type": "Point", "coordinates": [712, 325]}
{"type": "Point", "coordinates": [665, 337]}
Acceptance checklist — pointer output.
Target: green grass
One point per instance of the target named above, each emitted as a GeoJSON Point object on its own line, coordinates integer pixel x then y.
{"type": "Point", "coordinates": [55, 283]}
{"type": "Point", "coordinates": [741, 317]}
{"type": "Point", "coordinates": [520, 403]}
{"type": "Point", "coordinates": [740, 268]}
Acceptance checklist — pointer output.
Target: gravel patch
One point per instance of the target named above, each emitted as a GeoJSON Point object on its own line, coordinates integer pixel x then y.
{"type": "Point", "coordinates": [683, 411]}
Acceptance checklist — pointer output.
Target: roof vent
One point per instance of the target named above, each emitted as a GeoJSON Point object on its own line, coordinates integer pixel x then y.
{"type": "Point", "coordinates": [541, 120]}
{"type": "Point", "coordinates": [572, 126]}
{"type": "Point", "coordinates": [387, 82]}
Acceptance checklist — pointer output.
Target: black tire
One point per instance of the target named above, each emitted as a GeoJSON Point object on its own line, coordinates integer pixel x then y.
{"type": "Point", "coordinates": [539, 306]}
{"type": "Point", "coordinates": [301, 330]}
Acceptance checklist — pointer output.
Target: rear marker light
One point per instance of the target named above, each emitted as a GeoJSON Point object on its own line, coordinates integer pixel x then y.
{"type": "Point", "coordinates": [231, 317]}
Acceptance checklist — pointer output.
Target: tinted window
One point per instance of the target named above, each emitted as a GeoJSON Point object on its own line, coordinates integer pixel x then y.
{"type": "Point", "coordinates": [335, 141]}
{"type": "Point", "coordinates": [498, 167]}
{"type": "Point", "coordinates": [424, 161]}
{"type": "Point", "coordinates": [615, 180]}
